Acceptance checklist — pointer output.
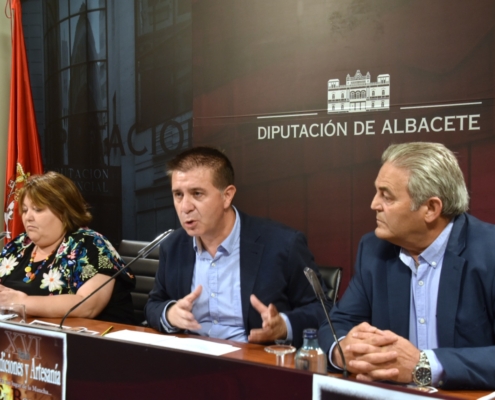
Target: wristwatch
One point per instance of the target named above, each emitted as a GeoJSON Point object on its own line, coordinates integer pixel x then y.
{"type": "Point", "coordinates": [422, 371]}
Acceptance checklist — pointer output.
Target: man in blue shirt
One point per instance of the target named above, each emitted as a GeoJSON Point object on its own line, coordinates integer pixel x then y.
{"type": "Point", "coordinates": [226, 274]}
{"type": "Point", "coordinates": [420, 307]}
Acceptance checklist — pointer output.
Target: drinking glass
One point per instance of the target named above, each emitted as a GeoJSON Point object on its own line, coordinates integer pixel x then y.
{"type": "Point", "coordinates": [13, 313]}
{"type": "Point", "coordinates": [280, 350]}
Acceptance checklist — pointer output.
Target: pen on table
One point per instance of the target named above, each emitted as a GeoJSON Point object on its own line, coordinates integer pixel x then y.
{"type": "Point", "coordinates": [108, 330]}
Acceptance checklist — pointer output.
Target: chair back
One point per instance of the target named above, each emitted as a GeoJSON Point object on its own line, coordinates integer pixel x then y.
{"type": "Point", "coordinates": [332, 276]}
{"type": "Point", "coordinates": [144, 270]}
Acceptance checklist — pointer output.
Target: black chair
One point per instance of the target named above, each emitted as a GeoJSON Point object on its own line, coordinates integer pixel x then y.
{"type": "Point", "coordinates": [144, 270]}
{"type": "Point", "coordinates": [332, 276]}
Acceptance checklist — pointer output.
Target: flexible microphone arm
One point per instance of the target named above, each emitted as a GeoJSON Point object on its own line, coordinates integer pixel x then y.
{"type": "Point", "coordinates": [320, 295]}
{"type": "Point", "coordinates": [3, 234]}
{"type": "Point", "coordinates": [146, 250]}
{"type": "Point", "coordinates": [143, 253]}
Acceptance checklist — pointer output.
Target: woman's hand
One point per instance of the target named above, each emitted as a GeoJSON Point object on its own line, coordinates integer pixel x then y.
{"type": "Point", "coordinates": [57, 306]}
{"type": "Point", "coordinates": [8, 296]}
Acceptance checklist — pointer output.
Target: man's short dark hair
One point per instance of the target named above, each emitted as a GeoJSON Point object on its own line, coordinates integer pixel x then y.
{"type": "Point", "coordinates": [209, 157]}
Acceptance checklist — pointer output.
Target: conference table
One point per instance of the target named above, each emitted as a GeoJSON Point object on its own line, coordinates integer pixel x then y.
{"type": "Point", "coordinates": [105, 368]}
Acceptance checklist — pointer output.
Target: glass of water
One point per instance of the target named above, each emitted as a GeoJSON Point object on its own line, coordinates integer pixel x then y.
{"type": "Point", "coordinates": [13, 313]}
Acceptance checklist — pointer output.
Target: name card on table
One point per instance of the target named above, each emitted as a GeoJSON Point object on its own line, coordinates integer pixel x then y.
{"type": "Point", "coordinates": [33, 363]}
{"type": "Point", "coordinates": [328, 387]}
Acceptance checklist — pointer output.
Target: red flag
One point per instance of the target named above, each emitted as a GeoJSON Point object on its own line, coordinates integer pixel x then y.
{"type": "Point", "coordinates": [24, 156]}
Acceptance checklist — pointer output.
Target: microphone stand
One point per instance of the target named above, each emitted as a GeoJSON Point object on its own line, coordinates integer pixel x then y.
{"type": "Point", "coordinates": [315, 284]}
{"type": "Point", "coordinates": [143, 253]}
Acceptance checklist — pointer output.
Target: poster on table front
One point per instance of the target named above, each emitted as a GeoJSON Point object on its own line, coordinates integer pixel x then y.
{"type": "Point", "coordinates": [32, 363]}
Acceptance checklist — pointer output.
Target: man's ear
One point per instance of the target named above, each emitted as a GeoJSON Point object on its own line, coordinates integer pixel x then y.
{"type": "Point", "coordinates": [434, 207]}
{"type": "Point", "coordinates": [228, 195]}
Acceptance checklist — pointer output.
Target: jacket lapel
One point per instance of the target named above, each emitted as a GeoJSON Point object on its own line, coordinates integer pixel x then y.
{"type": "Point", "coordinates": [187, 268]}
{"type": "Point", "coordinates": [250, 260]}
{"type": "Point", "coordinates": [399, 296]}
{"type": "Point", "coordinates": [450, 283]}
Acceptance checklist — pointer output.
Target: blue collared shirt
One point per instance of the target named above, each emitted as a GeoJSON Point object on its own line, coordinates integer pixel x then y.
{"type": "Point", "coordinates": [219, 307]}
{"type": "Point", "coordinates": [425, 281]}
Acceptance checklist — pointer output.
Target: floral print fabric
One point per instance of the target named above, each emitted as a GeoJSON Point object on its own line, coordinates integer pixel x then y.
{"type": "Point", "coordinates": [80, 256]}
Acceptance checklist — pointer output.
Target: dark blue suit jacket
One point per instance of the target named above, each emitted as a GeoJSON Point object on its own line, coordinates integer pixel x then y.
{"type": "Point", "coordinates": [379, 293]}
{"type": "Point", "coordinates": [272, 260]}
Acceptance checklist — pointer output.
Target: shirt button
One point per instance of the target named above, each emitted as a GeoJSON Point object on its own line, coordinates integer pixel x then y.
{"type": "Point", "coordinates": [213, 265]}
{"type": "Point", "coordinates": [215, 321]}
{"type": "Point", "coordinates": [421, 320]}
{"type": "Point", "coordinates": [433, 263]}
{"type": "Point", "coordinates": [213, 295]}
{"type": "Point", "coordinates": [421, 283]}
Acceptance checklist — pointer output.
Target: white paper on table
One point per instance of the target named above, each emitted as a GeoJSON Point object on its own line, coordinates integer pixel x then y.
{"type": "Point", "coordinates": [6, 317]}
{"type": "Point", "coordinates": [488, 396]}
{"type": "Point", "coordinates": [139, 337]}
{"type": "Point", "coordinates": [200, 346]}
{"type": "Point", "coordinates": [174, 342]}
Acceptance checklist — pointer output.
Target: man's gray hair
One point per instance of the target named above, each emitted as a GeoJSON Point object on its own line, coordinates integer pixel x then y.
{"type": "Point", "coordinates": [433, 172]}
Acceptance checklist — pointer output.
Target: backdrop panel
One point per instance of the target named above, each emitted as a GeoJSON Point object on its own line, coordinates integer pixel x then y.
{"type": "Point", "coordinates": [305, 96]}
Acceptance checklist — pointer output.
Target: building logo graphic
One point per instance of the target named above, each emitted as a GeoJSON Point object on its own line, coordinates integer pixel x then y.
{"type": "Point", "coordinates": [359, 94]}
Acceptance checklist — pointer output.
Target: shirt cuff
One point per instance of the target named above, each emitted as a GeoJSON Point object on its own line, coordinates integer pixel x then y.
{"type": "Point", "coordinates": [330, 355]}
{"type": "Point", "coordinates": [163, 319]}
{"type": "Point", "coordinates": [436, 368]}
{"type": "Point", "coordinates": [289, 327]}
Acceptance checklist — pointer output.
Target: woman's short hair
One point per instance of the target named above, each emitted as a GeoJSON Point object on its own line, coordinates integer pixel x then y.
{"type": "Point", "coordinates": [433, 172]}
{"type": "Point", "coordinates": [209, 157]}
{"type": "Point", "coordinates": [60, 195]}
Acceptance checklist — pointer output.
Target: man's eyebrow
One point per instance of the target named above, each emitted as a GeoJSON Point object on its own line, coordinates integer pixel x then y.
{"type": "Point", "coordinates": [193, 189]}
{"type": "Point", "coordinates": [384, 189]}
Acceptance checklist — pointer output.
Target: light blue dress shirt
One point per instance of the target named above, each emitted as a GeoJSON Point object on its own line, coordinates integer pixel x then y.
{"type": "Point", "coordinates": [425, 280]}
{"type": "Point", "coordinates": [219, 307]}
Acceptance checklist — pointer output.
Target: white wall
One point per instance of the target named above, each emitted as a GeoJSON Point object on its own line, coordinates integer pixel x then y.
{"type": "Point", "coordinates": [5, 59]}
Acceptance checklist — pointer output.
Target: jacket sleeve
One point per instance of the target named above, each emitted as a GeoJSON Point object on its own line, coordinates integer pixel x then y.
{"type": "Point", "coordinates": [158, 297]}
{"type": "Point", "coordinates": [471, 365]}
{"type": "Point", "coordinates": [467, 368]}
{"type": "Point", "coordinates": [353, 309]}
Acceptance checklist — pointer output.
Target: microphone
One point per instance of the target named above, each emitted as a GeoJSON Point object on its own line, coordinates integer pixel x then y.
{"type": "Point", "coordinates": [146, 250]}
{"type": "Point", "coordinates": [320, 295]}
{"type": "Point", "coordinates": [143, 253]}
{"type": "Point", "coordinates": [3, 234]}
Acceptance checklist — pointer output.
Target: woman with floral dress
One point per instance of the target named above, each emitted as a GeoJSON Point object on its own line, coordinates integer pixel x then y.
{"type": "Point", "coordinates": [57, 262]}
